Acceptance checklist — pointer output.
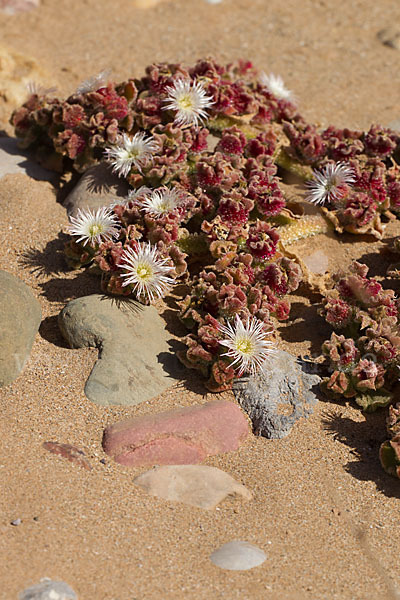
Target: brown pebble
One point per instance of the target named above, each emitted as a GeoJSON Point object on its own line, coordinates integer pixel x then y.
{"type": "Point", "coordinates": [71, 453]}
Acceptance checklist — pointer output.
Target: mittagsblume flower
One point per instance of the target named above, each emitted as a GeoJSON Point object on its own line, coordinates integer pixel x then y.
{"type": "Point", "coordinates": [331, 183]}
{"type": "Point", "coordinates": [94, 83]}
{"type": "Point", "coordinates": [275, 85]}
{"type": "Point", "coordinates": [146, 272]}
{"type": "Point", "coordinates": [160, 202]}
{"type": "Point", "coordinates": [93, 228]}
{"type": "Point", "coordinates": [189, 100]}
{"type": "Point", "coordinates": [131, 152]}
{"type": "Point", "coordinates": [248, 345]}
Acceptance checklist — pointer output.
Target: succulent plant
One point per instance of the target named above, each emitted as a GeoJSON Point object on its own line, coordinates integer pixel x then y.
{"type": "Point", "coordinates": [389, 452]}
{"type": "Point", "coordinates": [363, 356]}
{"type": "Point", "coordinates": [198, 147]}
{"type": "Point", "coordinates": [201, 147]}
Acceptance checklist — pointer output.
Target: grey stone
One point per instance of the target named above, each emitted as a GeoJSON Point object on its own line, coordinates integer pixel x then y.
{"type": "Point", "coordinates": [20, 317]}
{"type": "Point", "coordinates": [135, 363]}
{"type": "Point", "coordinates": [238, 556]}
{"type": "Point", "coordinates": [196, 485]}
{"type": "Point", "coordinates": [97, 187]}
{"type": "Point", "coordinates": [394, 125]}
{"type": "Point", "coordinates": [48, 590]}
{"type": "Point", "coordinates": [279, 397]}
{"type": "Point", "coordinates": [14, 160]}
{"type": "Point", "coordinates": [390, 36]}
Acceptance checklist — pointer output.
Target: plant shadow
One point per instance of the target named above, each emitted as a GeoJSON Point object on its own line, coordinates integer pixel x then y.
{"type": "Point", "coordinates": [189, 379]}
{"type": "Point", "coordinates": [305, 324]}
{"type": "Point", "coordinates": [364, 438]}
{"type": "Point", "coordinates": [50, 260]}
{"type": "Point", "coordinates": [62, 289]}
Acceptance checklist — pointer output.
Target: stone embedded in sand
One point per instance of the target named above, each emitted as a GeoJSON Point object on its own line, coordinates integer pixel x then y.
{"type": "Point", "coordinates": [12, 7]}
{"type": "Point", "coordinates": [71, 453]}
{"type": "Point", "coordinates": [317, 262]}
{"type": "Point", "coordinates": [196, 485]}
{"type": "Point", "coordinates": [16, 72]}
{"type": "Point", "coordinates": [20, 319]}
{"type": "Point", "coordinates": [14, 160]}
{"type": "Point", "coordinates": [278, 398]}
{"type": "Point", "coordinates": [146, 3]}
{"type": "Point", "coordinates": [390, 36]}
{"type": "Point", "coordinates": [176, 437]}
{"type": "Point", "coordinates": [135, 363]}
{"type": "Point", "coordinates": [48, 590]}
{"type": "Point", "coordinates": [238, 556]}
{"type": "Point", "coordinates": [98, 187]}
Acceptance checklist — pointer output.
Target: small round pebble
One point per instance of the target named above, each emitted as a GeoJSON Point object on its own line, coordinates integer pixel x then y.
{"type": "Point", "coordinates": [238, 556]}
{"type": "Point", "coordinates": [16, 522]}
{"type": "Point", "coordinates": [48, 590]}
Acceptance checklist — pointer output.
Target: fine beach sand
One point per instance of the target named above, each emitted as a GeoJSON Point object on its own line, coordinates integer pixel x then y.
{"type": "Point", "coordinates": [323, 511]}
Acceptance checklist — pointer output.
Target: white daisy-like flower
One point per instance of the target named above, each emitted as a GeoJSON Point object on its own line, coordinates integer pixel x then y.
{"type": "Point", "coordinates": [94, 227]}
{"type": "Point", "coordinates": [275, 85]}
{"type": "Point", "coordinates": [189, 100]}
{"type": "Point", "coordinates": [331, 183]}
{"type": "Point", "coordinates": [133, 196]}
{"type": "Point", "coordinates": [248, 344]}
{"type": "Point", "coordinates": [161, 202]}
{"type": "Point", "coordinates": [140, 192]}
{"type": "Point", "coordinates": [94, 83]}
{"type": "Point", "coordinates": [146, 272]}
{"type": "Point", "coordinates": [131, 152]}
{"type": "Point", "coordinates": [35, 88]}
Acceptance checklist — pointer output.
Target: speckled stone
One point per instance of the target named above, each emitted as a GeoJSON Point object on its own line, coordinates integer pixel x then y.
{"type": "Point", "coordinates": [12, 7]}
{"type": "Point", "coordinates": [135, 362]}
{"type": "Point", "coordinates": [196, 485]}
{"type": "Point", "coordinates": [182, 436]}
{"type": "Point", "coordinates": [48, 590]}
{"type": "Point", "coordinates": [279, 397]}
{"type": "Point", "coordinates": [20, 319]}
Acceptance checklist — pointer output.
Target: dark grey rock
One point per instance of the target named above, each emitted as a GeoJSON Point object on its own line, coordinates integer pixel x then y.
{"type": "Point", "coordinates": [279, 397]}
{"type": "Point", "coordinates": [97, 187]}
{"type": "Point", "coordinates": [15, 160]}
{"type": "Point", "coordinates": [238, 556]}
{"type": "Point", "coordinates": [20, 317]}
{"type": "Point", "coordinates": [48, 590]}
{"type": "Point", "coordinates": [135, 363]}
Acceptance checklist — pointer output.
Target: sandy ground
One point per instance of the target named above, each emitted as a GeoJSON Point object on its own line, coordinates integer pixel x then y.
{"type": "Point", "coordinates": [323, 510]}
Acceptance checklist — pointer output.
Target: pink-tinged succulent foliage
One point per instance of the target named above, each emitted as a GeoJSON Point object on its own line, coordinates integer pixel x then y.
{"type": "Point", "coordinates": [216, 230]}
{"type": "Point", "coordinates": [364, 355]}
{"type": "Point", "coordinates": [250, 122]}
{"type": "Point", "coordinates": [75, 132]}
{"type": "Point", "coordinates": [374, 196]}
{"type": "Point", "coordinates": [389, 452]}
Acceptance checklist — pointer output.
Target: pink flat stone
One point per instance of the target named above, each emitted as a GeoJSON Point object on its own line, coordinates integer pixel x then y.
{"type": "Point", "coordinates": [182, 436]}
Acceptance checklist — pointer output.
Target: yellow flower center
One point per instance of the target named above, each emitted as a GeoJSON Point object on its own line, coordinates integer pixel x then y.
{"type": "Point", "coordinates": [244, 346]}
{"type": "Point", "coordinates": [95, 229]}
{"type": "Point", "coordinates": [144, 272]}
{"type": "Point", "coordinates": [164, 207]}
{"type": "Point", "coordinates": [186, 102]}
